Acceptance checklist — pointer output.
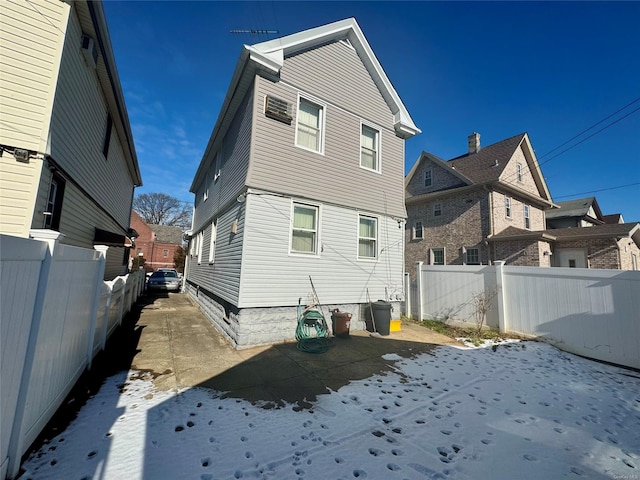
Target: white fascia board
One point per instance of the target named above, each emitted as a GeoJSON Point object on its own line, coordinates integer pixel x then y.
{"type": "Point", "coordinates": [349, 29]}
{"type": "Point", "coordinates": [272, 61]}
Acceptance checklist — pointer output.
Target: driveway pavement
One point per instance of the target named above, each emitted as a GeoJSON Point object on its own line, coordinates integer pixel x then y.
{"type": "Point", "coordinates": [179, 348]}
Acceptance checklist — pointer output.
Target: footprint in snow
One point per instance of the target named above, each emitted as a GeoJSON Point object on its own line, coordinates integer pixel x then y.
{"type": "Point", "coordinates": [359, 474]}
{"type": "Point", "coordinates": [205, 462]}
{"type": "Point", "coordinates": [339, 460]}
{"type": "Point", "coordinates": [530, 458]}
{"type": "Point", "coordinates": [397, 453]}
{"type": "Point", "coordinates": [376, 452]}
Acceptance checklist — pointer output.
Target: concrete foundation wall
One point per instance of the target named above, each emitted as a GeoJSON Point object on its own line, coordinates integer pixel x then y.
{"type": "Point", "coordinates": [251, 327]}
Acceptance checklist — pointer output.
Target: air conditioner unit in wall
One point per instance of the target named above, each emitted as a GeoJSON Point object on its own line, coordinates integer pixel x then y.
{"type": "Point", "coordinates": [278, 109]}
{"type": "Point", "coordinates": [89, 51]}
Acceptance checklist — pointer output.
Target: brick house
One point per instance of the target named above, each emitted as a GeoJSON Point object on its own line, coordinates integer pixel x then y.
{"type": "Point", "coordinates": [493, 204]}
{"type": "Point", "coordinates": [584, 237]}
{"type": "Point", "coordinates": [157, 244]}
{"type": "Point", "coordinates": [456, 209]}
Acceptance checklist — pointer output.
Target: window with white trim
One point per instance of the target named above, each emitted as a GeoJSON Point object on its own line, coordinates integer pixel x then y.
{"type": "Point", "coordinates": [436, 256]}
{"type": "Point", "coordinates": [309, 129]}
{"type": "Point", "coordinates": [369, 148]}
{"type": "Point", "coordinates": [212, 242]}
{"type": "Point", "coordinates": [519, 170]}
{"type": "Point", "coordinates": [507, 207]}
{"type": "Point", "coordinates": [437, 209]}
{"type": "Point", "coordinates": [367, 237]}
{"type": "Point", "coordinates": [427, 178]}
{"type": "Point", "coordinates": [165, 253]}
{"type": "Point", "coordinates": [106, 142]}
{"type": "Point", "coordinates": [472, 256]}
{"type": "Point", "coordinates": [527, 221]}
{"type": "Point", "coordinates": [417, 231]}
{"type": "Point", "coordinates": [304, 229]}
{"type": "Point", "coordinates": [54, 203]}
{"type": "Point", "coordinates": [199, 247]}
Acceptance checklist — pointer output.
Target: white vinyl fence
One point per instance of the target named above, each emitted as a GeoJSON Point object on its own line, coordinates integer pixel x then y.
{"type": "Point", "coordinates": [589, 312]}
{"type": "Point", "coordinates": [56, 314]}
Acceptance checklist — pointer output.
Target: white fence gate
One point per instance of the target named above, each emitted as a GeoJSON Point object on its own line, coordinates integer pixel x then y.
{"type": "Point", "coordinates": [56, 314]}
{"type": "Point", "coordinates": [594, 313]}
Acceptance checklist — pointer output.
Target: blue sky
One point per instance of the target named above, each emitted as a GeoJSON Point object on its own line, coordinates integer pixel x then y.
{"type": "Point", "coordinates": [551, 69]}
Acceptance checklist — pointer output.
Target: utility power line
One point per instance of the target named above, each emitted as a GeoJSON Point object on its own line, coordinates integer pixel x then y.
{"type": "Point", "coordinates": [600, 190]}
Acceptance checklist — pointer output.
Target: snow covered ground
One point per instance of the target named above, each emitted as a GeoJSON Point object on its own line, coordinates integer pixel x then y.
{"type": "Point", "coordinates": [520, 410]}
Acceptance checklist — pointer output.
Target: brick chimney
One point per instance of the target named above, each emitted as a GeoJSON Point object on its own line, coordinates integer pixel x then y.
{"type": "Point", "coordinates": [474, 142]}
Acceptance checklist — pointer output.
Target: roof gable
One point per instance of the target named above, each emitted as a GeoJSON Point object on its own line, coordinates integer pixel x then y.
{"type": "Point", "coordinates": [268, 58]}
{"type": "Point", "coordinates": [419, 167]}
{"type": "Point", "coordinates": [271, 54]}
{"type": "Point", "coordinates": [488, 165]}
{"type": "Point", "coordinates": [579, 208]}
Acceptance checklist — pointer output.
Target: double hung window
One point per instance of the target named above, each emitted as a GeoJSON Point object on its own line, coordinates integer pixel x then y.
{"type": "Point", "coordinates": [212, 242]}
{"type": "Point", "coordinates": [437, 209]}
{"type": "Point", "coordinates": [473, 256]}
{"type": "Point", "coordinates": [417, 231]}
{"type": "Point", "coordinates": [367, 237]}
{"type": "Point", "coordinates": [427, 178]}
{"type": "Point", "coordinates": [369, 148]}
{"type": "Point", "coordinates": [437, 256]}
{"type": "Point", "coordinates": [527, 220]}
{"type": "Point", "coordinates": [54, 203]}
{"type": "Point", "coordinates": [309, 126]}
{"type": "Point", "coordinates": [507, 207]}
{"type": "Point", "coordinates": [304, 229]}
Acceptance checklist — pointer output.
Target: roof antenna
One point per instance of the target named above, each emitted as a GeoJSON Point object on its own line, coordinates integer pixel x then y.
{"type": "Point", "coordinates": [253, 31]}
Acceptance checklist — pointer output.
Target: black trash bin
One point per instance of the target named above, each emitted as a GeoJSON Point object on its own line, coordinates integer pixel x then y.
{"type": "Point", "coordinates": [340, 322]}
{"type": "Point", "coordinates": [378, 317]}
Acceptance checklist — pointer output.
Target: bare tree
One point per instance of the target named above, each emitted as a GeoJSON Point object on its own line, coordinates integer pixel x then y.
{"type": "Point", "coordinates": [162, 209]}
{"type": "Point", "coordinates": [482, 303]}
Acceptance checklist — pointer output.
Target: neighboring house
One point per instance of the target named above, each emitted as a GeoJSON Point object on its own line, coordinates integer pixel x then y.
{"type": "Point", "coordinates": [302, 177]}
{"type": "Point", "coordinates": [457, 209]}
{"type": "Point", "coordinates": [67, 158]}
{"type": "Point", "coordinates": [157, 244]}
{"type": "Point", "coordinates": [583, 212]}
{"type": "Point", "coordinates": [583, 237]}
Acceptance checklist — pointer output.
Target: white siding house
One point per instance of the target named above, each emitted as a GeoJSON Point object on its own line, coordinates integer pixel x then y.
{"type": "Point", "coordinates": [67, 158]}
{"type": "Point", "coordinates": [303, 177]}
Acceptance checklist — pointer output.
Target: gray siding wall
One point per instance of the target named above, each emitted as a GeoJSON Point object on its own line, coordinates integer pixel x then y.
{"type": "Point", "coordinates": [222, 277]}
{"type": "Point", "coordinates": [271, 276]}
{"type": "Point", "coordinates": [335, 76]}
{"type": "Point", "coordinates": [78, 127]}
{"type": "Point", "coordinates": [335, 73]}
{"type": "Point", "coordinates": [233, 170]}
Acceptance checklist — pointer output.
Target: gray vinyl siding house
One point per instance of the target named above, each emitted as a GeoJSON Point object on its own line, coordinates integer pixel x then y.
{"type": "Point", "coordinates": [68, 160]}
{"type": "Point", "coordinates": [303, 177]}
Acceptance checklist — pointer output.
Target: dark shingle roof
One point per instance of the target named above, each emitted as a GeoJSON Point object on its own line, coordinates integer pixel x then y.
{"type": "Point", "coordinates": [574, 208]}
{"type": "Point", "coordinates": [167, 234]}
{"type": "Point", "coordinates": [613, 230]}
{"type": "Point", "coordinates": [487, 164]}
